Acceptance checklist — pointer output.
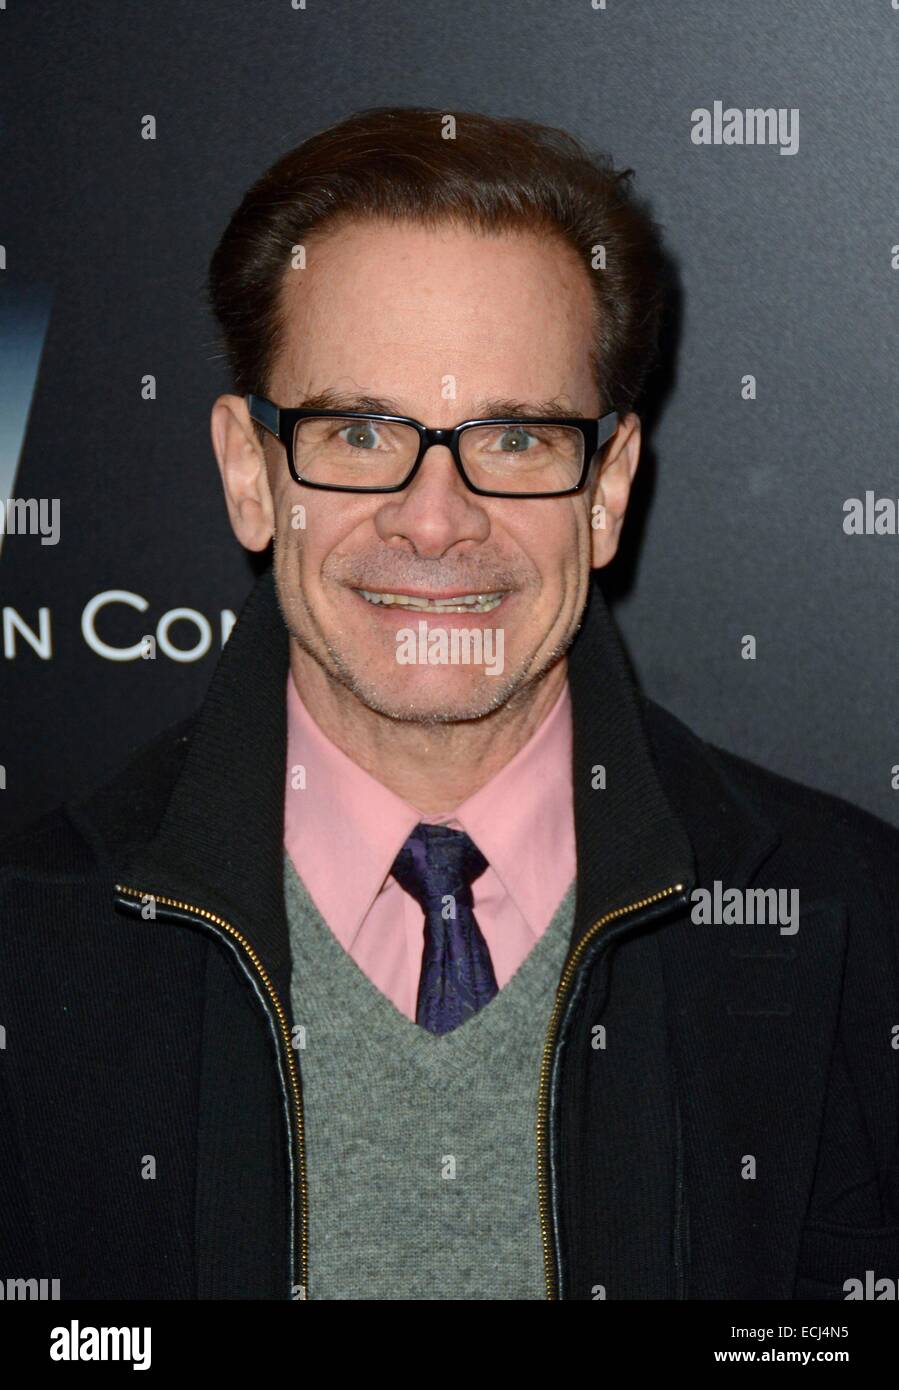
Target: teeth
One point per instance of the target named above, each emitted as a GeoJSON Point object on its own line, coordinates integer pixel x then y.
{"type": "Point", "coordinates": [459, 603]}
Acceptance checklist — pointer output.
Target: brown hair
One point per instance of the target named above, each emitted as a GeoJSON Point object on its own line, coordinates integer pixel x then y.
{"type": "Point", "coordinates": [497, 174]}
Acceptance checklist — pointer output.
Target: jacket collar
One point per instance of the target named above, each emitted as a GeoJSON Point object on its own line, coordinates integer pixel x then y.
{"type": "Point", "coordinates": [219, 842]}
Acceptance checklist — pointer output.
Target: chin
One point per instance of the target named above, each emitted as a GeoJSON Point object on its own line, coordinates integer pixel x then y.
{"type": "Point", "coordinates": [430, 702]}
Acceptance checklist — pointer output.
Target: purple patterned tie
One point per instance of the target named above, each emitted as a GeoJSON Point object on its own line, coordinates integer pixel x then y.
{"type": "Point", "coordinates": [437, 866]}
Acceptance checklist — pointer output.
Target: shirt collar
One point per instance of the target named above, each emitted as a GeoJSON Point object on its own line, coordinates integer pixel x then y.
{"type": "Point", "coordinates": [521, 820]}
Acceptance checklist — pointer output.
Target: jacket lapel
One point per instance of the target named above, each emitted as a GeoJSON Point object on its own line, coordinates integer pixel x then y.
{"type": "Point", "coordinates": [219, 844]}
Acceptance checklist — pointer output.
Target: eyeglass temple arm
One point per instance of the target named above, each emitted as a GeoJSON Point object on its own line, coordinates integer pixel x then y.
{"type": "Point", "coordinates": [264, 413]}
{"type": "Point", "coordinates": [607, 427]}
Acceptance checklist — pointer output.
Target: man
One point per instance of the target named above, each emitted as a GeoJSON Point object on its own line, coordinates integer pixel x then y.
{"type": "Point", "coordinates": [429, 959]}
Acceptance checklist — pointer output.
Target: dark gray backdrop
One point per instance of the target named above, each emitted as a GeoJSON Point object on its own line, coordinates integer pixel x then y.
{"type": "Point", "coordinates": [785, 271]}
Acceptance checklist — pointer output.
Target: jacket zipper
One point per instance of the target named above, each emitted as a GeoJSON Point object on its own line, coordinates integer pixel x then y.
{"type": "Point", "coordinates": [543, 1185]}
{"type": "Point", "coordinates": [301, 1245]}
{"type": "Point", "coordinates": [299, 1239]}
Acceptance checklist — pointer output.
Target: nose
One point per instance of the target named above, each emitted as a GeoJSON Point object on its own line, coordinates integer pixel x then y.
{"type": "Point", "coordinates": [436, 511]}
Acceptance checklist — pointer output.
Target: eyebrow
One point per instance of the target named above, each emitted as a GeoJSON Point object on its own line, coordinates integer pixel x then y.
{"type": "Point", "coordinates": [486, 408]}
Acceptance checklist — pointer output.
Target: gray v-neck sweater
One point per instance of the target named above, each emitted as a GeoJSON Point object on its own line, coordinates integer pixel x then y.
{"type": "Point", "coordinates": [421, 1150]}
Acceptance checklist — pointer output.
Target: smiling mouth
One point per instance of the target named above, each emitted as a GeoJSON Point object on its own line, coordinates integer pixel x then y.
{"type": "Point", "coordinates": [456, 603]}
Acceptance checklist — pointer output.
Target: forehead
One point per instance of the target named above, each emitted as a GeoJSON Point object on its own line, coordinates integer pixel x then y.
{"type": "Point", "coordinates": [398, 307]}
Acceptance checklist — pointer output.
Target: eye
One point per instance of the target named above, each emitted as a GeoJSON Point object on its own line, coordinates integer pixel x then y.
{"type": "Point", "coordinates": [360, 434]}
{"type": "Point", "coordinates": [516, 439]}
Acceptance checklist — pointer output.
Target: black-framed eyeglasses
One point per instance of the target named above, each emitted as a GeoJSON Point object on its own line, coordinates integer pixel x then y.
{"type": "Point", "coordinates": [354, 451]}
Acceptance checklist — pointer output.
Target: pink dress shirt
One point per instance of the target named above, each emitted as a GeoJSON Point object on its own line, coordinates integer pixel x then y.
{"type": "Point", "coordinates": [343, 830]}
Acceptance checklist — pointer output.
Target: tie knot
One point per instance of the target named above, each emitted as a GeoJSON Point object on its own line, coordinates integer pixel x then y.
{"type": "Point", "coordinates": [436, 862]}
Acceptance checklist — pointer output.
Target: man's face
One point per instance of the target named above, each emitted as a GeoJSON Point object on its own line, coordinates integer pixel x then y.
{"type": "Point", "coordinates": [443, 323]}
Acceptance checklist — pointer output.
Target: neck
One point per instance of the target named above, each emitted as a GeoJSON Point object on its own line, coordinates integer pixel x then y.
{"type": "Point", "coordinates": [434, 767]}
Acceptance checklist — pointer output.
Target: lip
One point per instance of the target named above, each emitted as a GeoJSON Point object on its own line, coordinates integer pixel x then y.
{"type": "Point", "coordinates": [383, 612]}
{"type": "Point", "coordinates": [429, 593]}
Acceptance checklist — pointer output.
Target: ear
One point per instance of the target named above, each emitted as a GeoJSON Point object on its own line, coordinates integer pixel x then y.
{"type": "Point", "coordinates": [612, 489]}
{"type": "Point", "coordinates": [241, 461]}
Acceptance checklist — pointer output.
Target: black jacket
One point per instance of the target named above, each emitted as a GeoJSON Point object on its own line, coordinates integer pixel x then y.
{"type": "Point", "coordinates": [151, 1130]}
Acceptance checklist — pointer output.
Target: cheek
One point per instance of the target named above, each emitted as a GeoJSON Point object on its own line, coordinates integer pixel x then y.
{"type": "Point", "coordinates": [293, 521]}
{"type": "Point", "coordinates": [320, 545]}
{"type": "Point", "coordinates": [557, 544]}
